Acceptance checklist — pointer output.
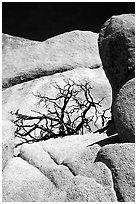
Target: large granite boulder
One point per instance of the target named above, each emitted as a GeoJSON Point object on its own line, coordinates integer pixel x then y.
{"type": "Point", "coordinates": [8, 138]}
{"type": "Point", "coordinates": [36, 156]}
{"type": "Point", "coordinates": [83, 189]}
{"type": "Point", "coordinates": [124, 112]}
{"type": "Point", "coordinates": [23, 182]}
{"type": "Point", "coordinates": [117, 49]}
{"type": "Point", "coordinates": [120, 159]}
{"type": "Point", "coordinates": [24, 60]}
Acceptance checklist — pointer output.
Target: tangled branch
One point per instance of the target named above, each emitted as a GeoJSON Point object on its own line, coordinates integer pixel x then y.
{"type": "Point", "coordinates": [67, 114]}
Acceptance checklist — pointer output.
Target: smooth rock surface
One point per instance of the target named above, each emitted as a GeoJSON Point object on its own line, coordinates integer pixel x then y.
{"type": "Point", "coordinates": [8, 138]}
{"type": "Point", "coordinates": [120, 159]}
{"type": "Point", "coordinates": [67, 147]}
{"type": "Point", "coordinates": [23, 182]}
{"type": "Point", "coordinates": [117, 49]}
{"type": "Point", "coordinates": [36, 156]}
{"type": "Point", "coordinates": [24, 60]}
{"type": "Point", "coordinates": [124, 112]}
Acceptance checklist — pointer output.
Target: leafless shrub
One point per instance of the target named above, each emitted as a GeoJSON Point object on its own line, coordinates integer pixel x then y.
{"type": "Point", "coordinates": [67, 114]}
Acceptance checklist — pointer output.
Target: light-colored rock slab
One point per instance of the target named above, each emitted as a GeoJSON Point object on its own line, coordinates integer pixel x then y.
{"type": "Point", "coordinates": [24, 183]}
{"type": "Point", "coordinates": [8, 129]}
{"type": "Point", "coordinates": [24, 60]}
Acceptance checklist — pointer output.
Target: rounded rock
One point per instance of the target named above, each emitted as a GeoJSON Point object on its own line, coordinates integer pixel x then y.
{"type": "Point", "coordinates": [124, 112]}
{"type": "Point", "coordinates": [117, 49]}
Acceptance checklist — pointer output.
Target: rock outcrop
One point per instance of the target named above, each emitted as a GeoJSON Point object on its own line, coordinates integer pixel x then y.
{"type": "Point", "coordinates": [76, 168]}
{"type": "Point", "coordinates": [24, 60]}
{"type": "Point", "coordinates": [120, 159]}
{"type": "Point", "coordinates": [117, 49]}
{"type": "Point", "coordinates": [124, 112]}
{"type": "Point", "coordinates": [41, 172]}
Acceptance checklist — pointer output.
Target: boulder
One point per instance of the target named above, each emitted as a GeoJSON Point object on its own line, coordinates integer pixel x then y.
{"type": "Point", "coordinates": [47, 181]}
{"type": "Point", "coordinates": [85, 167]}
{"type": "Point", "coordinates": [124, 112]}
{"type": "Point", "coordinates": [72, 146]}
{"type": "Point", "coordinates": [120, 159]}
{"type": "Point", "coordinates": [24, 60]}
{"type": "Point", "coordinates": [22, 96]}
{"type": "Point", "coordinates": [53, 152]}
{"type": "Point", "coordinates": [23, 182]}
{"type": "Point", "coordinates": [36, 156]}
{"type": "Point", "coordinates": [8, 130]}
{"type": "Point", "coordinates": [117, 49]}
{"type": "Point", "coordinates": [83, 189]}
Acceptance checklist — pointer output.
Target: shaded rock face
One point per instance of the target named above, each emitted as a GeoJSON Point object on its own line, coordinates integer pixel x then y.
{"type": "Point", "coordinates": [124, 112]}
{"type": "Point", "coordinates": [117, 49]}
{"type": "Point", "coordinates": [120, 159]}
{"type": "Point", "coordinates": [24, 60]}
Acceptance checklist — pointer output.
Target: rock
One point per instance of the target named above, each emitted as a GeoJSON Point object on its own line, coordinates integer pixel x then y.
{"type": "Point", "coordinates": [124, 112]}
{"type": "Point", "coordinates": [8, 129]}
{"type": "Point", "coordinates": [79, 161]}
{"type": "Point", "coordinates": [12, 42]}
{"type": "Point", "coordinates": [117, 49]}
{"type": "Point", "coordinates": [83, 164]}
{"type": "Point", "coordinates": [22, 96]}
{"type": "Point", "coordinates": [24, 183]}
{"type": "Point", "coordinates": [24, 60]}
{"type": "Point", "coordinates": [72, 146]}
{"type": "Point", "coordinates": [83, 189]}
{"type": "Point", "coordinates": [36, 156]}
{"type": "Point", "coordinates": [120, 160]}
{"type": "Point", "coordinates": [97, 171]}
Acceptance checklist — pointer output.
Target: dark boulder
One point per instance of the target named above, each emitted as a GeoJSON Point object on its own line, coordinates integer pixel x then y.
{"type": "Point", "coordinates": [117, 49]}
{"type": "Point", "coordinates": [124, 112]}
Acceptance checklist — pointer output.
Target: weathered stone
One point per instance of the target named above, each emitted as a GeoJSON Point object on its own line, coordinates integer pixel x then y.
{"type": "Point", "coordinates": [117, 49]}
{"type": "Point", "coordinates": [36, 156]}
{"type": "Point", "coordinates": [83, 189]}
{"type": "Point", "coordinates": [24, 60]}
{"type": "Point", "coordinates": [120, 159]}
{"type": "Point", "coordinates": [23, 182]}
{"type": "Point", "coordinates": [83, 164]}
{"type": "Point", "coordinates": [124, 112]}
{"type": "Point", "coordinates": [72, 146]}
{"type": "Point", "coordinates": [8, 129]}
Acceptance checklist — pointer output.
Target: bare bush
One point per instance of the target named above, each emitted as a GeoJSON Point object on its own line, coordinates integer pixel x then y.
{"type": "Point", "coordinates": [67, 114]}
